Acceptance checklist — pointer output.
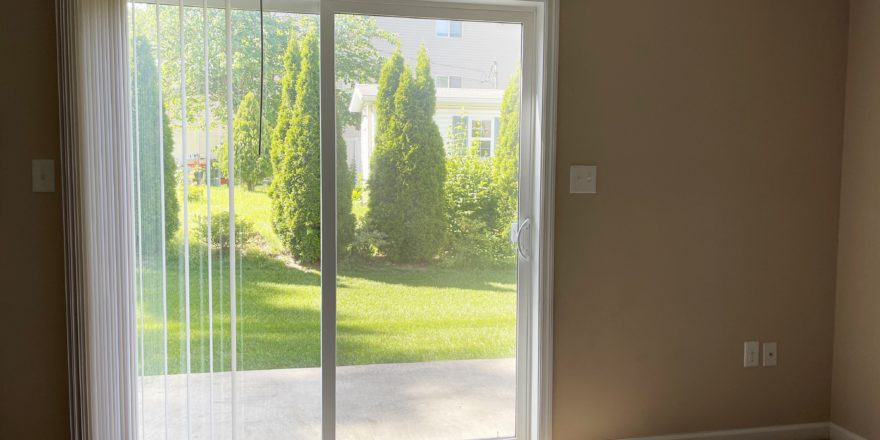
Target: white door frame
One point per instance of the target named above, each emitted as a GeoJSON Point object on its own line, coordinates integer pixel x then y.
{"type": "Point", "coordinates": [534, 361]}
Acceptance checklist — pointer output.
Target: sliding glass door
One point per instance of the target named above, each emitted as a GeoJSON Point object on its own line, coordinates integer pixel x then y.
{"type": "Point", "coordinates": [427, 281]}
{"type": "Point", "coordinates": [332, 219]}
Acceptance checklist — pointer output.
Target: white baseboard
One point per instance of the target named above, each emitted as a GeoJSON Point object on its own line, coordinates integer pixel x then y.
{"type": "Point", "coordinates": [840, 433]}
{"type": "Point", "coordinates": [807, 431]}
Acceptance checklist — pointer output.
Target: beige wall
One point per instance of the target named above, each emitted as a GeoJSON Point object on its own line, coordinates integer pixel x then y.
{"type": "Point", "coordinates": [717, 126]}
{"type": "Point", "coordinates": [33, 373]}
{"type": "Point", "coordinates": [856, 379]}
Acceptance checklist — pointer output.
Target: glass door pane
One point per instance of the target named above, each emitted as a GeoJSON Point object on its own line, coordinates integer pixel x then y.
{"type": "Point", "coordinates": [228, 328]}
{"type": "Point", "coordinates": [427, 184]}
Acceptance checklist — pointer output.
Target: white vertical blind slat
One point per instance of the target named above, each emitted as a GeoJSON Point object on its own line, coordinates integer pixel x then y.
{"type": "Point", "coordinates": [208, 239]}
{"type": "Point", "coordinates": [162, 238]}
{"type": "Point", "coordinates": [185, 198]}
{"type": "Point", "coordinates": [233, 313]}
{"type": "Point", "coordinates": [139, 256]}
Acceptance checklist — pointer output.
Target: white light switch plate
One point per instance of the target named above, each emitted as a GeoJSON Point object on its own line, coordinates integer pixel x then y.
{"type": "Point", "coordinates": [751, 354]}
{"type": "Point", "coordinates": [43, 175]}
{"type": "Point", "coordinates": [769, 357]}
{"type": "Point", "coordinates": [582, 179]}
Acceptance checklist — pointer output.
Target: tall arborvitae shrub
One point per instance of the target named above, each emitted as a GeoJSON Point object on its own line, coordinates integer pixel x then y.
{"type": "Point", "coordinates": [389, 80]}
{"type": "Point", "coordinates": [251, 167]}
{"type": "Point", "coordinates": [296, 159]}
{"type": "Point", "coordinates": [506, 160]}
{"type": "Point", "coordinates": [278, 150]}
{"type": "Point", "coordinates": [152, 154]}
{"type": "Point", "coordinates": [296, 186]}
{"type": "Point", "coordinates": [408, 168]}
{"type": "Point", "coordinates": [299, 176]}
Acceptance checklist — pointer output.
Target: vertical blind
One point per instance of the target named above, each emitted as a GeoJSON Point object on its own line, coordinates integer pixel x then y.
{"type": "Point", "coordinates": [97, 185]}
{"type": "Point", "coordinates": [186, 242]}
{"type": "Point", "coordinates": [193, 73]}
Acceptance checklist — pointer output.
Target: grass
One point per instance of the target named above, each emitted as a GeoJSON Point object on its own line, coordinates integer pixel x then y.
{"type": "Point", "coordinates": [385, 313]}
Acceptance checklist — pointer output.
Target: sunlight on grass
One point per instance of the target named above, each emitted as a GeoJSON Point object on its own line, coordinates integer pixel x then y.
{"type": "Point", "coordinates": [385, 313]}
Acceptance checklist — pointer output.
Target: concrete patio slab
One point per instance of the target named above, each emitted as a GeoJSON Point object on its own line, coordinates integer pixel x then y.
{"type": "Point", "coordinates": [449, 400]}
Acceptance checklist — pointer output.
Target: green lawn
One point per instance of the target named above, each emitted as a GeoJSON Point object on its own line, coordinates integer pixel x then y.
{"type": "Point", "coordinates": [385, 313]}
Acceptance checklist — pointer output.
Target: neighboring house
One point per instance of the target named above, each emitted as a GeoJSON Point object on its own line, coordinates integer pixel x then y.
{"type": "Point", "coordinates": [471, 63]}
{"type": "Point", "coordinates": [465, 117]}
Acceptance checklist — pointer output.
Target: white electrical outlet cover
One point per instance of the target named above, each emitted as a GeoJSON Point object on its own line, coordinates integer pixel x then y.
{"type": "Point", "coordinates": [582, 179]}
{"type": "Point", "coordinates": [769, 354]}
{"type": "Point", "coordinates": [43, 175]}
{"type": "Point", "coordinates": [751, 354]}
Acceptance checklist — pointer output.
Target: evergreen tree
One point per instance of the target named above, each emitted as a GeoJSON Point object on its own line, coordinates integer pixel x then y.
{"type": "Point", "coordinates": [153, 155]}
{"type": "Point", "coordinates": [279, 188]}
{"type": "Point", "coordinates": [406, 184]}
{"type": "Point", "coordinates": [296, 152]}
{"type": "Point", "coordinates": [389, 80]}
{"type": "Point", "coordinates": [296, 186]}
{"type": "Point", "coordinates": [506, 160]}
{"type": "Point", "coordinates": [288, 97]}
{"type": "Point", "coordinates": [300, 174]}
{"type": "Point", "coordinates": [251, 167]}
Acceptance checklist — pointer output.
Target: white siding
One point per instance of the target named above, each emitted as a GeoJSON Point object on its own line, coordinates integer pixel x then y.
{"type": "Point", "coordinates": [443, 117]}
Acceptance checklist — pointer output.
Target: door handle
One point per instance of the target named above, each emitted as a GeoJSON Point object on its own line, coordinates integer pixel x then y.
{"type": "Point", "coordinates": [524, 254]}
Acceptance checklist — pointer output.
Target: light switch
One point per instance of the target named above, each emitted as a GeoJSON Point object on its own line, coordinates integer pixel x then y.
{"type": "Point", "coordinates": [43, 175]}
{"type": "Point", "coordinates": [751, 354]}
{"type": "Point", "coordinates": [582, 179]}
{"type": "Point", "coordinates": [769, 354]}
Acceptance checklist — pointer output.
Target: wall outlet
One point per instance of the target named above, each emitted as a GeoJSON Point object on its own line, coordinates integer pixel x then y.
{"type": "Point", "coordinates": [582, 179]}
{"type": "Point", "coordinates": [751, 354]}
{"type": "Point", "coordinates": [769, 354]}
{"type": "Point", "coordinates": [43, 175]}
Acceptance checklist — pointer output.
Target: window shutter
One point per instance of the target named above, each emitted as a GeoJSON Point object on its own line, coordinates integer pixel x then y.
{"type": "Point", "coordinates": [496, 132]}
{"type": "Point", "coordinates": [460, 134]}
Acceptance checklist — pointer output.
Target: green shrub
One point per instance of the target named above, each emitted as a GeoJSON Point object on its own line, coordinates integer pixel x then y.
{"type": "Point", "coordinates": [472, 208]}
{"type": "Point", "coordinates": [406, 202]}
{"type": "Point", "coordinates": [367, 242]}
{"type": "Point", "coordinates": [357, 193]}
{"type": "Point", "coordinates": [195, 193]}
{"type": "Point", "coordinates": [244, 231]}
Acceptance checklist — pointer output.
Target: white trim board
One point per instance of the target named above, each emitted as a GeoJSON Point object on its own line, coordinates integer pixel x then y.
{"type": "Point", "coordinates": [807, 431]}
{"type": "Point", "coordinates": [840, 433]}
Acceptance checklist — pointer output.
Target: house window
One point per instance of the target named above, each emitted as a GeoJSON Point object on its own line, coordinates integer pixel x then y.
{"type": "Point", "coordinates": [447, 81]}
{"type": "Point", "coordinates": [447, 28]}
{"type": "Point", "coordinates": [481, 135]}
{"type": "Point", "coordinates": [469, 132]}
